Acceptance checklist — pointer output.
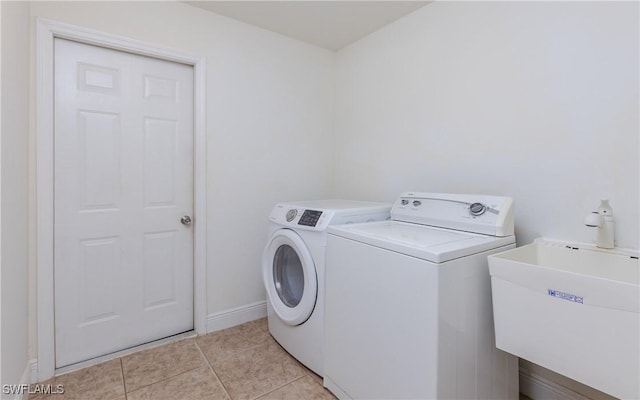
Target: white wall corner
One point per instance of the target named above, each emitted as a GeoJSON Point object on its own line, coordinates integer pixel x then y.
{"type": "Point", "coordinates": [21, 392]}
{"type": "Point", "coordinates": [537, 387]}
{"type": "Point", "coordinates": [236, 316]}
{"type": "Point", "coordinates": [33, 376]}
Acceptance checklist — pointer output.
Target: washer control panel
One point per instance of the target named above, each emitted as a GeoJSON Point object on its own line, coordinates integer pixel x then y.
{"type": "Point", "coordinates": [477, 209]}
{"type": "Point", "coordinates": [492, 215]}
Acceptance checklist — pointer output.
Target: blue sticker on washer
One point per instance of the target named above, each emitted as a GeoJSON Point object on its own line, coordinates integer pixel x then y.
{"type": "Point", "coordinates": [565, 296]}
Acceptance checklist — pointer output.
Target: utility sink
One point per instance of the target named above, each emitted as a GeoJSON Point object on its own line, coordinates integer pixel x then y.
{"type": "Point", "coordinates": [571, 308]}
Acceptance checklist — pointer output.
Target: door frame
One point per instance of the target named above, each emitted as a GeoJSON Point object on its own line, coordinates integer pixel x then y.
{"type": "Point", "coordinates": [46, 32]}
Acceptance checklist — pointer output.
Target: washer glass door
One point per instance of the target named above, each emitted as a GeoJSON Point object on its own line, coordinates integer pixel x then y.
{"type": "Point", "coordinates": [290, 277]}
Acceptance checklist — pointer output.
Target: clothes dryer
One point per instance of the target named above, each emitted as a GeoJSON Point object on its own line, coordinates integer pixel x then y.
{"type": "Point", "coordinates": [408, 302]}
{"type": "Point", "coordinates": [293, 270]}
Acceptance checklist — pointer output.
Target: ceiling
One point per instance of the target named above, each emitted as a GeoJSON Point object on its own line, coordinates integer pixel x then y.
{"type": "Point", "coordinates": [328, 24]}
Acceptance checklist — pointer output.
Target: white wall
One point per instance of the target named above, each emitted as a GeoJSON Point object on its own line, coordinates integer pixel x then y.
{"type": "Point", "coordinates": [14, 216]}
{"type": "Point", "coordinates": [269, 107]}
{"type": "Point", "coordinates": [535, 100]}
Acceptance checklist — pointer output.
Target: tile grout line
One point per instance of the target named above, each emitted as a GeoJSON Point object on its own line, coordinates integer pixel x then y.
{"type": "Point", "coordinates": [279, 387]}
{"type": "Point", "coordinates": [307, 372]}
{"type": "Point", "coordinates": [168, 377]}
{"type": "Point", "coordinates": [230, 355]}
{"type": "Point", "coordinates": [124, 382]}
{"type": "Point", "coordinates": [304, 369]}
{"type": "Point", "coordinates": [212, 370]}
{"type": "Point", "coordinates": [240, 351]}
{"type": "Point", "coordinates": [236, 353]}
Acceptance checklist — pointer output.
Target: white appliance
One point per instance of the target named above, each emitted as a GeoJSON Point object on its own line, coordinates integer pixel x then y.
{"type": "Point", "coordinates": [408, 302]}
{"type": "Point", "coordinates": [293, 270]}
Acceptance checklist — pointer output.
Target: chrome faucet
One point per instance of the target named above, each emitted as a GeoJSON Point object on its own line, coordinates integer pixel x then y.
{"type": "Point", "coordinates": [603, 221]}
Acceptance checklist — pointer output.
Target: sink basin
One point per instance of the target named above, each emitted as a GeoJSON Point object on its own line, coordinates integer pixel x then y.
{"type": "Point", "coordinates": [573, 309]}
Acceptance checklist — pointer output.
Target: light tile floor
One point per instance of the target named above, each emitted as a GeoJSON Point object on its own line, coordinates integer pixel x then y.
{"type": "Point", "coordinates": [243, 362]}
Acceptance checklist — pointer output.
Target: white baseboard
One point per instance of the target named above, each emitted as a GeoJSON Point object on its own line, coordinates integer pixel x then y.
{"type": "Point", "coordinates": [21, 390]}
{"type": "Point", "coordinates": [33, 376]}
{"type": "Point", "coordinates": [25, 380]}
{"type": "Point", "coordinates": [539, 388]}
{"type": "Point", "coordinates": [236, 316]}
{"type": "Point", "coordinates": [215, 322]}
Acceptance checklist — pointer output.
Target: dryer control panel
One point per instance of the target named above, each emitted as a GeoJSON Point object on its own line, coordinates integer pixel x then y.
{"type": "Point", "coordinates": [317, 215]}
{"type": "Point", "coordinates": [490, 215]}
{"type": "Point", "coordinates": [297, 216]}
{"type": "Point", "coordinates": [310, 217]}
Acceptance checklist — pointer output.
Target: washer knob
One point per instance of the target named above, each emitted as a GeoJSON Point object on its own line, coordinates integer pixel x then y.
{"type": "Point", "coordinates": [291, 214]}
{"type": "Point", "coordinates": [477, 209]}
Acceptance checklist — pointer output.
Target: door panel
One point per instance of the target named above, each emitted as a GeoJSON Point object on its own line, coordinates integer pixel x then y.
{"type": "Point", "coordinates": [159, 269]}
{"type": "Point", "coordinates": [123, 179]}
{"type": "Point", "coordinates": [99, 142]}
{"type": "Point", "coordinates": [159, 163]}
{"type": "Point", "coordinates": [99, 259]}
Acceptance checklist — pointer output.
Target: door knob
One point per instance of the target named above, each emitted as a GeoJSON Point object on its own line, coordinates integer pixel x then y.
{"type": "Point", "coordinates": [185, 220]}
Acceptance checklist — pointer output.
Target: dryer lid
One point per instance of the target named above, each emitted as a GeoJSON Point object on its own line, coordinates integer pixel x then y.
{"type": "Point", "coordinates": [432, 244]}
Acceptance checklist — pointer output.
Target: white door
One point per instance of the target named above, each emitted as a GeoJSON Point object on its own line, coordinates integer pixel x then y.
{"type": "Point", "coordinates": [123, 180]}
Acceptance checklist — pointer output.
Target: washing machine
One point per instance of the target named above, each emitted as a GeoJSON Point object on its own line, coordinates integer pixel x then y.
{"type": "Point", "coordinates": [408, 302]}
{"type": "Point", "coordinates": [293, 270]}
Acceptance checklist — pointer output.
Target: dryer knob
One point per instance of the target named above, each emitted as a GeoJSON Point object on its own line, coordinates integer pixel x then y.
{"type": "Point", "coordinates": [291, 214]}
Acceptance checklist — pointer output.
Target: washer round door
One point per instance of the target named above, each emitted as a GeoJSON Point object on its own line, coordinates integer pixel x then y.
{"type": "Point", "coordinates": [290, 277]}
